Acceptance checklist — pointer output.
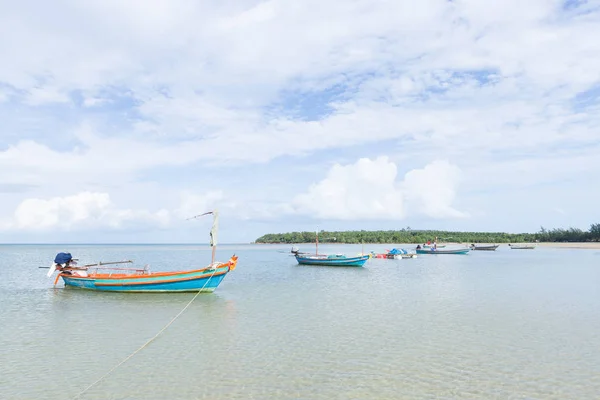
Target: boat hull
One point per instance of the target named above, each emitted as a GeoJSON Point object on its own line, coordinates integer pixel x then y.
{"type": "Point", "coordinates": [395, 256]}
{"type": "Point", "coordinates": [333, 262]}
{"type": "Point", "coordinates": [485, 248]}
{"type": "Point", "coordinates": [428, 251]}
{"type": "Point", "coordinates": [205, 280]}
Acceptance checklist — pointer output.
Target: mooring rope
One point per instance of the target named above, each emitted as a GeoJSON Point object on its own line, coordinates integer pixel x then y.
{"type": "Point", "coordinates": [148, 342]}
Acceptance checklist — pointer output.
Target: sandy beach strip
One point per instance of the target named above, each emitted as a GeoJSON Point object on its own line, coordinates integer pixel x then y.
{"type": "Point", "coordinates": [571, 245]}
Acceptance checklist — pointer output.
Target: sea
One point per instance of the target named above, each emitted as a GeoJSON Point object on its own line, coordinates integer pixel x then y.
{"type": "Point", "coordinates": [508, 324]}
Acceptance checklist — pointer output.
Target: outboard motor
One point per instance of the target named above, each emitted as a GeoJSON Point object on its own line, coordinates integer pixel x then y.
{"type": "Point", "coordinates": [62, 260]}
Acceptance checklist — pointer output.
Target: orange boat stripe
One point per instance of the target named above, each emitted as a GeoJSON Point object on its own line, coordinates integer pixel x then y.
{"type": "Point", "coordinates": [158, 282]}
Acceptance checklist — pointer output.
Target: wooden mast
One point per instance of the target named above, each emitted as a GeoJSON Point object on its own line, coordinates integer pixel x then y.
{"type": "Point", "coordinates": [213, 234]}
{"type": "Point", "coordinates": [213, 231]}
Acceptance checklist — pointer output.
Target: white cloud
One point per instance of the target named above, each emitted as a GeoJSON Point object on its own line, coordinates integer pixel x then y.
{"type": "Point", "coordinates": [95, 160]}
{"type": "Point", "coordinates": [432, 190]}
{"type": "Point", "coordinates": [260, 13]}
{"type": "Point", "coordinates": [369, 189]}
{"type": "Point", "coordinates": [3, 95]}
{"type": "Point", "coordinates": [94, 101]}
{"type": "Point", "coordinates": [366, 189]}
{"type": "Point", "coordinates": [78, 212]}
{"type": "Point", "coordinates": [45, 95]}
{"type": "Point", "coordinates": [93, 210]}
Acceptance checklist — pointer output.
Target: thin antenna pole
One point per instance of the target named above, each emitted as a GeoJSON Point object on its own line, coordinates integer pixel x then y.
{"type": "Point", "coordinates": [317, 243]}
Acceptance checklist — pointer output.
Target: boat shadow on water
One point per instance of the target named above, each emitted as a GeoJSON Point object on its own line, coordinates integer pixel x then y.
{"type": "Point", "coordinates": [328, 267]}
{"type": "Point", "coordinates": [67, 298]}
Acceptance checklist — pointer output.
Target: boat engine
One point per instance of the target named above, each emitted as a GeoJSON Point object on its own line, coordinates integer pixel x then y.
{"type": "Point", "coordinates": [61, 261]}
{"type": "Point", "coordinates": [63, 258]}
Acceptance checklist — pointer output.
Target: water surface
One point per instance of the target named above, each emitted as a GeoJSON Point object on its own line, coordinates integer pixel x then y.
{"type": "Point", "coordinates": [508, 324]}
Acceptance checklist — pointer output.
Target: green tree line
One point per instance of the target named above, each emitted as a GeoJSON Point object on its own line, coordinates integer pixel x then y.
{"type": "Point", "coordinates": [408, 235]}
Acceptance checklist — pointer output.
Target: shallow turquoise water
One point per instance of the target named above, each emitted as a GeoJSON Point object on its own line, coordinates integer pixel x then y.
{"type": "Point", "coordinates": [508, 324]}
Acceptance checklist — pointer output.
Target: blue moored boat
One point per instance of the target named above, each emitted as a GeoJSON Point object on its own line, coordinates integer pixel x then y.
{"type": "Point", "coordinates": [95, 276]}
{"type": "Point", "coordinates": [201, 280]}
{"type": "Point", "coordinates": [333, 261]}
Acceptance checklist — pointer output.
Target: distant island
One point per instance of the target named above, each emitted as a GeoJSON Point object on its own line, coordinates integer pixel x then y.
{"type": "Point", "coordinates": [408, 235]}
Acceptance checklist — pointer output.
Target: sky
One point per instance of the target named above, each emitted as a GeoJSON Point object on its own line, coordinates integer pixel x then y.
{"type": "Point", "coordinates": [119, 120]}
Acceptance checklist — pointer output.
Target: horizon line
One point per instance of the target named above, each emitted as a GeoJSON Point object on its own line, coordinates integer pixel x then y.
{"type": "Point", "coordinates": [119, 244]}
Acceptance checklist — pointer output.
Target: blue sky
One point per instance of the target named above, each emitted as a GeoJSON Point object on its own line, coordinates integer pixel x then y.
{"type": "Point", "coordinates": [119, 120]}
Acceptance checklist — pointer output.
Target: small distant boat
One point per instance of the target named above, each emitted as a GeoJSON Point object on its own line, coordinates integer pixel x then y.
{"type": "Point", "coordinates": [428, 246]}
{"type": "Point", "coordinates": [444, 251]}
{"type": "Point", "coordinates": [336, 260]}
{"type": "Point", "coordinates": [114, 279]}
{"type": "Point", "coordinates": [491, 247]}
{"type": "Point", "coordinates": [395, 254]}
{"type": "Point", "coordinates": [522, 246]}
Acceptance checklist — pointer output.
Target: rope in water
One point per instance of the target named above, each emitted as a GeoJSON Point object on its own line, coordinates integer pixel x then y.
{"type": "Point", "coordinates": [145, 344]}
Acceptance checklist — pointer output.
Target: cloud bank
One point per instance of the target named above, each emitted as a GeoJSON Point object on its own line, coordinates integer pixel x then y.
{"type": "Point", "coordinates": [86, 210]}
{"type": "Point", "coordinates": [369, 189]}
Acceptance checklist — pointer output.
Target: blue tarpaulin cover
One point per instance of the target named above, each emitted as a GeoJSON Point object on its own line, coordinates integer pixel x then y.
{"type": "Point", "coordinates": [398, 251]}
{"type": "Point", "coordinates": [63, 258]}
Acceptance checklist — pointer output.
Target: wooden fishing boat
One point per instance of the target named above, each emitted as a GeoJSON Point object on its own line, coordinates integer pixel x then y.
{"type": "Point", "coordinates": [491, 247]}
{"type": "Point", "coordinates": [115, 279]}
{"type": "Point", "coordinates": [443, 251]}
{"type": "Point", "coordinates": [522, 246]}
{"type": "Point", "coordinates": [332, 260]}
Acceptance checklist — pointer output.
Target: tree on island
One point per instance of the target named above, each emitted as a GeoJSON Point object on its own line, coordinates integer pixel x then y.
{"type": "Point", "coordinates": [408, 235]}
{"type": "Point", "coordinates": [595, 232]}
